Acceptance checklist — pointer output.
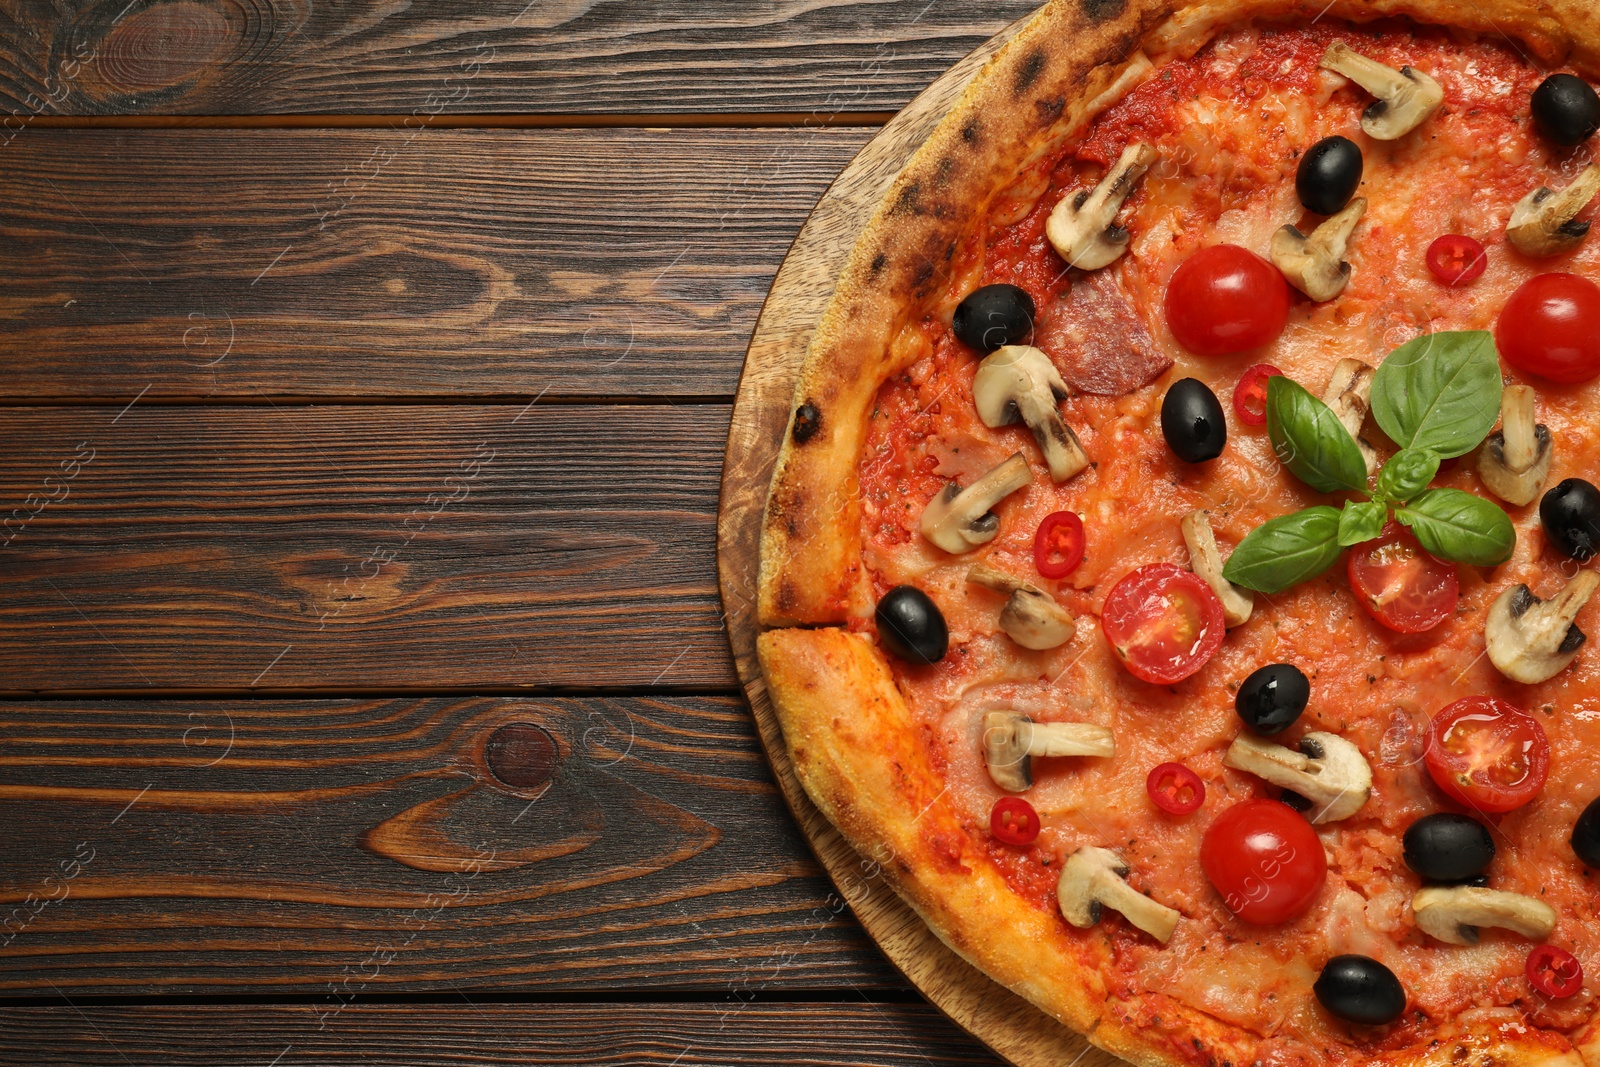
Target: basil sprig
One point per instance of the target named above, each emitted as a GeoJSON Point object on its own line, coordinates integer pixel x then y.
{"type": "Point", "coordinates": [1437, 397]}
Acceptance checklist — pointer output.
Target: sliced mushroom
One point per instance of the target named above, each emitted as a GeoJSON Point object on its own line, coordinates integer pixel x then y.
{"type": "Point", "coordinates": [959, 520]}
{"type": "Point", "coordinates": [1315, 265]}
{"type": "Point", "coordinates": [1532, 640]}
{"type": "Point", "coordinates": [1349, 396]}
{"type": "Point", "coordinates": [1083, 227]}
{"type": "Point", "coordinates": [1454, 913]}
{"type": "Point", "coordinates": [1545, 222]}
{"type": "Point", "coordinates": [1032, 617]}
{"type": "Point", "coordinates": [1011, 740]}
{"type": "Point", "coordinates": [1092, 880]}
{"type": "Point", "coordinates": [1406, 97]}
{"type": "Point", "coordinates": [1516, 458]}
{"type": "Point", "coordinates": [1018, 382]}
{"type": "Point", "coordinates": [1206, 562]}
{"type": "Point", "coordinates": [1328, 771]}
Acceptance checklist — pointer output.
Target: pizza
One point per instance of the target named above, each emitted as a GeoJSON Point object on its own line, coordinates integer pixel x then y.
{"type": "Point", "coordinates": [1175, 573]}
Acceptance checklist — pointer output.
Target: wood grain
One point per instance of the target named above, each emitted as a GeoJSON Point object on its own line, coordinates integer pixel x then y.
{"type": "Point", "coordinates": [432, 56]}
{"type": "Point", "coordinates": [466, 263]}
{"type": "Point", "coordinates": [359, 547]}
{"type": "Point", "coordinates": [339, 848]}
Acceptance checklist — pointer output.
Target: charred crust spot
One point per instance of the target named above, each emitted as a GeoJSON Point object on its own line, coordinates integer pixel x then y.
{"type": "Point", "coordinates": [969, 132]}
{"type": "Point", "coordinates": [1100, 10]}
{"type": "Point", "coordinates": [947, 167]}
{"type": "Point", "coordinates": [1049, 110]}
{"type": "Point", "coordinates": [878, 262]}
{"type": "Point", "coordinates": [807, 421]}
{"type": "Point", "coordinates": [924, 275]}
{"type": "Point", "coordinates": [907, 200]}
{"type": "Point", "coordinates": [1028, 73]}
{"type": "Point", "coordinates": [950, 252]}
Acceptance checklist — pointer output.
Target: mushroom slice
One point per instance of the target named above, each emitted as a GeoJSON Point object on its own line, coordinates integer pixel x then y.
{"type": "Point", "coordinates": [959, 520]}
{"type": "Point", "coordinates": [1532, 640]}
{"type": "Point", "coordinates": [1011, 740]}
{"type": "Point", "coordinates": [1545, 222]}
{"type": "Point", "coordinates": [1315, 265]}
{"type": "Point", "coordinates": [1406, 97]}
{"type": "Point", "coordinates": [1516, 458]}
{"type": "Point", "coordinates": [1454, 913]}
{"type": "Point", "coordinates": [1032, 617]}
{"type": "Point", "coordinates": [1349, 396]}
{"type": "Point", "coordinates": [1019, 382]}
{"type": "Point", "coordinates": [1328, 771]}
{"type": "Point", "coordinates": [1083, 227]}
{"type": "Point", "coordinates": [1092, 880]}
{"type": "Point", "coordinates": [1206, 562]}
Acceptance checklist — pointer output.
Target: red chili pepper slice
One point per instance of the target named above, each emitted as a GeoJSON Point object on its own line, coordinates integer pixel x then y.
{"type": "Point", "coordinates": [1176, 789]}
{"type": "Point", "coordinates": [1014, 821]}
{"type": "Point", "coordinates": [1456, 259]}
{"type": "Point", "coordinates": [1555, 972]}
{"type": "Point", "coordinates": [1059, 545]}
{"type": "Point", "coordinates": [1250, 395]}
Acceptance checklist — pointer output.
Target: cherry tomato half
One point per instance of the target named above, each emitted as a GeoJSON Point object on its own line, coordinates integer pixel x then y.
{"type": "Point", "coordinates": [1487, 754]}
{"type": "Point", "coordinates": [1250, 395]}
{"type": "Point", "coordinates": [1555, 972]}
{"type": "Point", "coordinates": [1265, 860]}
{"type": "Point", "coordinates": [1551, 327]}
{"type": "Point", "coordinates": [1400, 585]}
{"type": "Point", "coordinates": [1226, 299]}
{"type": "Point", "coordinates": [1456, 259]}
{"type": "Point", "coordinates": [1014, 821]}
{"type": "Point", "coordinates": [1163, 623]}
{"type": "Point", "coordinates": [1059, 544]}
{"type": "Point", "coordinates": [1176, 789]}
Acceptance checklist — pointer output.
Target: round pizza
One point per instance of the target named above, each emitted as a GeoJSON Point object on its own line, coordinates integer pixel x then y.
{"type": "Point", "coordinates": [1175, 573]}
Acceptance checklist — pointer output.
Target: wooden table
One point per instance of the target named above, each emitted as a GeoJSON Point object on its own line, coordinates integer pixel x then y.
{"type": "Point", "coordinates": [367, 371]}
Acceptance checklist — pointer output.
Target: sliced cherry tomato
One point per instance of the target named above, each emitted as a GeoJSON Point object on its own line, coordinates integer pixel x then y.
{"type": "Point", "coordinates": [1551, 327]}
{"type": "Point", "coordinates": [1265, 860]}
{"type": "Point", "coordinates": [1250, 395]}
{"type": "Point", "coordinates": [1555, 972]}
{"type": "Point", "coordinates": [1226, 299]}
{"type": "Point", "coordinates": [1487, 754]}
{"type": "Point", "coordinates": [1163, 623]}
{"type": "Point", "coordinates": [1176, 789]}
{"type": "Point", "coordinates": [1014, 821]}
{"type": "Point", "coordinates": [1400, 585]}
{"type": "Point", "coordinates": [1456, 259]}
{"type": "Point", "coordinates": [1059, 544]}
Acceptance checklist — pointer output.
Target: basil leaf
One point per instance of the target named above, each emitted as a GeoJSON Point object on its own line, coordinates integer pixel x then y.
{"type": "Point", "coordinates": [1286, 551]}
{"type": "Point", "coordinates": [1407, 474]}
{"type": "Point", "coordinates": [1310, 440]}
{"type": "Point", "coordinates": [1440, 392]}
{"type": "Point", "coordinates": [1361, 521]}
{"type": "Point", "coordinates": [1460, 527]}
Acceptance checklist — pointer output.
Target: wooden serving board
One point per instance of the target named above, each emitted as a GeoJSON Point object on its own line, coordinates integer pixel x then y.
{"type": "Point", "coordinates": [1006, 1022]}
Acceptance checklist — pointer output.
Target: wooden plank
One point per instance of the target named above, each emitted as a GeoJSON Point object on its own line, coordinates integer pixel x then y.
{"type": "Point", "coordinates": [464, 263]}
{"type": "Point", "coordinates": [360, 547]}
{"type": "Point", "coordinates": [431, 57]}
{"type": "Point", "coordinates": [342, 848]}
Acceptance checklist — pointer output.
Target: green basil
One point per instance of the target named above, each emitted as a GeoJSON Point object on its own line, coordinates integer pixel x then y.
{"type": "Point", "coordinates": [1361, 521]}
{"type": "Point", "coordinates": [1460, 527]}
{"type": "Point", "coordinates": [1310, 440]}
{"type": "Point", "coordinates": [1406, 474]}
{"type": "Point", "coordinates": [1287, 550]}
{"type": "Point", "coordinates": [1440, 392]}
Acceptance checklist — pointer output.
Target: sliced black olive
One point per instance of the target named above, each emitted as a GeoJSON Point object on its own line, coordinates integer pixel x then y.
{"type": "Point", "coordinates": [1272, 698]}
{"type": "Point", "coordinates": [1586, 835]}
{"type": "Point", "coordinates": [1566, 109]}
{"type": "Point", "coordinates": [993, 317]}
{"type": "Point", "coordinates": [1447, 847]}
{"type": "Point", "coordinates": [1329, 175]}
{"type": "Point", "coordinates": [1192, 422]}
{"type": "Point", "coordinates": [911, 626]}
{"type": "Point", "coordinates": [1571, 516]}
{"type": "Point", "coordinates": [1359, 989]}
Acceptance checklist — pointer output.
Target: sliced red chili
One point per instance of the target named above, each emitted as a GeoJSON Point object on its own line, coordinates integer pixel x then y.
{"type": "Point", "coordinates": [1176, 789]}
{"type": "Point", "coordinates": [1058, 546]}
{"type": "Point", "coordinates": [1014, 821]}
{"type": "Point", "coordinates": [1250, 395]}
{"type": "Point", "coordinates": [1456, 259]}
{"type": "Point", "coordinates": [1555, 972]}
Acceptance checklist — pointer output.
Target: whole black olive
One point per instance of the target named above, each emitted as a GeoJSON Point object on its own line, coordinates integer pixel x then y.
{"type": "Point", "coordinates": [1272, 698]}
{"type": "Point", "coordinates": [1586, 835]}
{"type": "Point", "coordinates": [911, 626]}
{"type": "Point", "coordinates": [1447, 847]}
{"type": "Point", "coordinates": [1359, 989]}
{"type": "Point", "coordinates": [1192, 422]}
{"type": "Point", "coordinates": [993, 317]}
{"type": "Point", "coordinates": [1571, 516]}
{"type": "Point", "coordinates": [1566, 109]}
{"type": "Point", "coordinates": [1329, 175]}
